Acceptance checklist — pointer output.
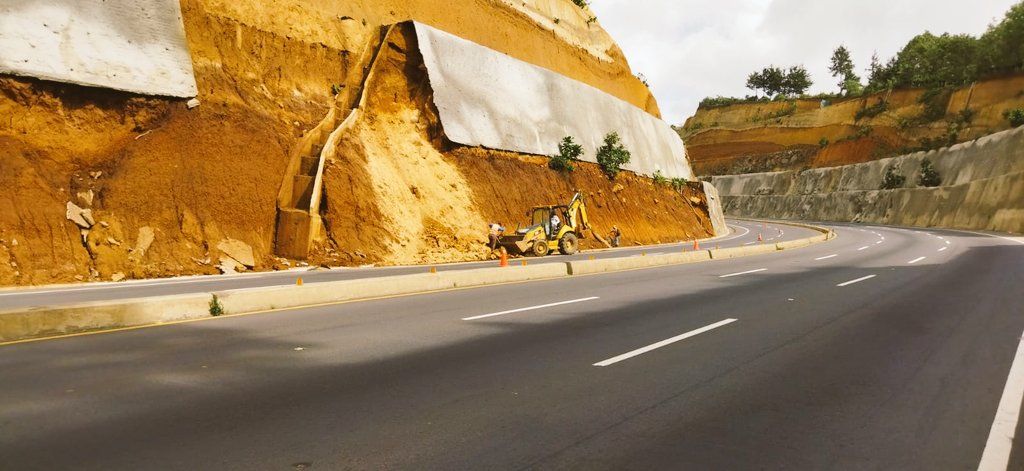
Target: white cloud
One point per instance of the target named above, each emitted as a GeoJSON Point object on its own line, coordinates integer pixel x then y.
{"type": "Point", "coordinates": [690, 49]}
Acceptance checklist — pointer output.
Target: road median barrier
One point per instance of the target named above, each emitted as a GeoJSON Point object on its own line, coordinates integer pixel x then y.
{"type": "Point", "coordinates": [606, 265]}
{"type": "Point", "coordinates": [311, 294]}
{"type": "Point", "coordinates": [50, 321]}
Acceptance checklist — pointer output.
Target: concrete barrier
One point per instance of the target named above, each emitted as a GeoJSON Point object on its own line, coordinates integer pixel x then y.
{"type": "Point", "coordinates": [586, 267]}
{"type": "Point", "coordinates": [59, 320]}
{"type": "Point", "coordinates": [745, 251]}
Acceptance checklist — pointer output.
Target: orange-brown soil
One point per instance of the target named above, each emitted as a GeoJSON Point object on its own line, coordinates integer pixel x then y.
{"type": "Point", "coordinates": [751, 137]}
{"type": "Point", "coordinates": [420, 199]}
{"type": "Point", "coordinates": [190, 178]}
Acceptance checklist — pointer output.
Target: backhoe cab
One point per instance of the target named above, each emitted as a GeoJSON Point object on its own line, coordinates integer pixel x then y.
{"type": "Point", "coordinates": [539, 238]}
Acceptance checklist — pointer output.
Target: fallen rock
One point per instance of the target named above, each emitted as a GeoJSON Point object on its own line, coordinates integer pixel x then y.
{"type": "Point", "coordinates": [74, 214]}
{"type": "Point", "coordinates": [192, 103]}
{"type": "Point", "coordinates": [117, 277]}
{"type": "Point", "coordinates": [617, 188]}
{"type": "Point", "coordinates": [239, 251]}
{"type": "Point", "coordinates": [14, 242]}
{"type": "Point", "coordinates": [142, 242]}
{"type": "Point", "coordinates": [87, 215]}
{"type": "Point", "coordinates": [86, 197]}
{"type": "Point", "coordinates": [96, 174]}
{"type": "Point", "coordinates": [229, 265]}
{"type": "Point", "coordinates": [105, 224]}
{"type": "Point", "coordinates": [113, 241]}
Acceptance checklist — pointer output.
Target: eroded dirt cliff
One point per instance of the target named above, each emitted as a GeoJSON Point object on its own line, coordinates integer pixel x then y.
{"type": "Point", "coordinates": [158, 186]}
{"type": "Point", "coordinates": [791, 135]}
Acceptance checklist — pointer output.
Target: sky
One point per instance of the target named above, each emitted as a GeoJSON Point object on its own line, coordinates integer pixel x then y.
{"type": "Point", "coordinates": [691, 49]}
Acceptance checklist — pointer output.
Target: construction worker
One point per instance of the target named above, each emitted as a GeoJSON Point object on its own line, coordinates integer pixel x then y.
{"type": "Point", "coordinates": [614, 235]}
{"type": "Point", "coordinates": [494, 233]}
{"type": "Point", "coordinates": [555, 222]}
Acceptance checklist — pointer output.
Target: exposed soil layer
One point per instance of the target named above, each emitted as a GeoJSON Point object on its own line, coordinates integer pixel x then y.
{"type": "Point", "coordinates": [166, 184]}
{"type": "Point", "coordinates": [750, 137]}
{"type": "Point", "coordinates": [434, 199]}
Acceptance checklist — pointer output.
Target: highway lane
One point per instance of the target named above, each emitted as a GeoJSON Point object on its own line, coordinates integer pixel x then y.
{"type": "Point", "coordinates": [834, 356]}
{"type": "Point", "coordinates": [744, 232]}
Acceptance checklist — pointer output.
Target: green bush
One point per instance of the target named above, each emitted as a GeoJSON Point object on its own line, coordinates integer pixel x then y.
{"type": "Point", "coordinates": [935, 102]}
{"type": "Point", "coordinates": [568, 152]}
{"type": "Point", "coordinates": [823, 143]}
{"type": "Point", "coordinates": [872, 111]}
{"type": "Point", "coordinates": [581, 3]}
{"type": "Point", "coordinates": [1015, 117]}
{"type": "Point", "coordinates": [928, 177]}
{"type": "Point", "coordinates": [612, 155]}
{"type": "Point", "coordinates": [216, 308]}
{"type": "Point", "coordinates": [893, 179]}
{"type": "Point", "coordinates": [678, 183]}
{"type": "Point", "coordinates": [659, 179]}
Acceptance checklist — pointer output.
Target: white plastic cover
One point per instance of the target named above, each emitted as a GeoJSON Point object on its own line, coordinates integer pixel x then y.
{"type": "Point", "coordinates": [132, 45]}
{"type": "Point", "coordinates": [488, 99]}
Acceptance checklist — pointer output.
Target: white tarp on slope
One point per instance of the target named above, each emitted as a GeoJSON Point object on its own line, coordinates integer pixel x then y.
{"type": "Point", "coordinates": [132, 45]}
{"type": "Point", "coordinates": [488, 99]}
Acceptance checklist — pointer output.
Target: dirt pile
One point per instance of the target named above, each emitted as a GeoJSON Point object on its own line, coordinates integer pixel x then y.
{"type": "Point", "coordinates": [759, 137]}
{"type": "Point", "coordinates": [167, 185]}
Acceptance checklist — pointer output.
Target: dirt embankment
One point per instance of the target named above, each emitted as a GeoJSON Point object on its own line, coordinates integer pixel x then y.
{"type": "Point", "coordinates": [764, 137]}
{"type": "Point", "coordinates": [166, 185]}
{"type": "Point", "coordinates": [419, 198]}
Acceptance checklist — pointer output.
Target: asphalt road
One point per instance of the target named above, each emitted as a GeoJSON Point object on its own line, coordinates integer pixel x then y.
{"type": "Point", "coordinates": [884, 348]}
{"type": "Point", "coordinates": [743, 232]}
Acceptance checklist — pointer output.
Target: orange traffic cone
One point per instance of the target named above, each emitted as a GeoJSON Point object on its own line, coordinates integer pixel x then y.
{"type": "Point", "coordinates": [504, 259]}
{"type": "Point", "coordinates": [759, 238]}
{"type": "Point", "coordinates": [298, 282]}
{"type": "Point", "coordinates": [696, 245]}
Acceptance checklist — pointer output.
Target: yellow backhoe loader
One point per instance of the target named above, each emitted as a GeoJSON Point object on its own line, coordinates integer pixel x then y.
{"type": "Point", "coordinates": [539, 238]}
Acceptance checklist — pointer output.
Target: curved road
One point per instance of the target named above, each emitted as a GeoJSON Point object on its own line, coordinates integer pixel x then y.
{"type": "Point", "coordinates": [885, 348]}
{"type": "Point", "coordinates": [743, 233]}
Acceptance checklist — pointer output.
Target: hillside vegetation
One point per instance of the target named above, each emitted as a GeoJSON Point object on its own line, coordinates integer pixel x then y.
{"type": "Point", "coordinates": [937, 91]}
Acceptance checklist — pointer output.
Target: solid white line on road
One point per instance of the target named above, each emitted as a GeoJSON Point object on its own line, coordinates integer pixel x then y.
{"type": "Point", "coordinates": [531, 308]}
{"type": "Point", "coordinates": [863, 248]}
{"type": "Point", "coordinates": [879, 242]}
{"type": "Point", "coordinates": [918, 259]}
{"type": "Point", "coordinates": [653, 346]}
{"type": "Point", "coordinates": [750, 243]}
{"type": "Point", "coordinates": [827, 257]}
{"type": "Point", "coordinates": [858, 280]}
{"type": "Point", "coordinates": [1000, 438]}
{"type": "Point", "coordinates": [943, 249]}
{"type": "Point", "coordinates": [743, 273]}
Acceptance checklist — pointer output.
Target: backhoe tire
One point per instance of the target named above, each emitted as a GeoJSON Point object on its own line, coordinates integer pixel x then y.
{"type": "Point", "coordinates": [569, 244]}
{"type": "Point", "coordinates": [540, 248]}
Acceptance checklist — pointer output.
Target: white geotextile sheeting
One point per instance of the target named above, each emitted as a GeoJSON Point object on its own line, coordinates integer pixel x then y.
{"type": "Point", "coordinates": [132, 45]}
{"type": "Point", "coordinates": [488, 99]}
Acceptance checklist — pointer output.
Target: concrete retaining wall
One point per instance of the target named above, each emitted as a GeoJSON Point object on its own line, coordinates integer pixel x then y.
{"type": "Point", "coordinates": [488, 99]}
{"type": "Point", "coordinates": [982, 188]}
{"type": "Point", "coordinates": [132, 45]}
